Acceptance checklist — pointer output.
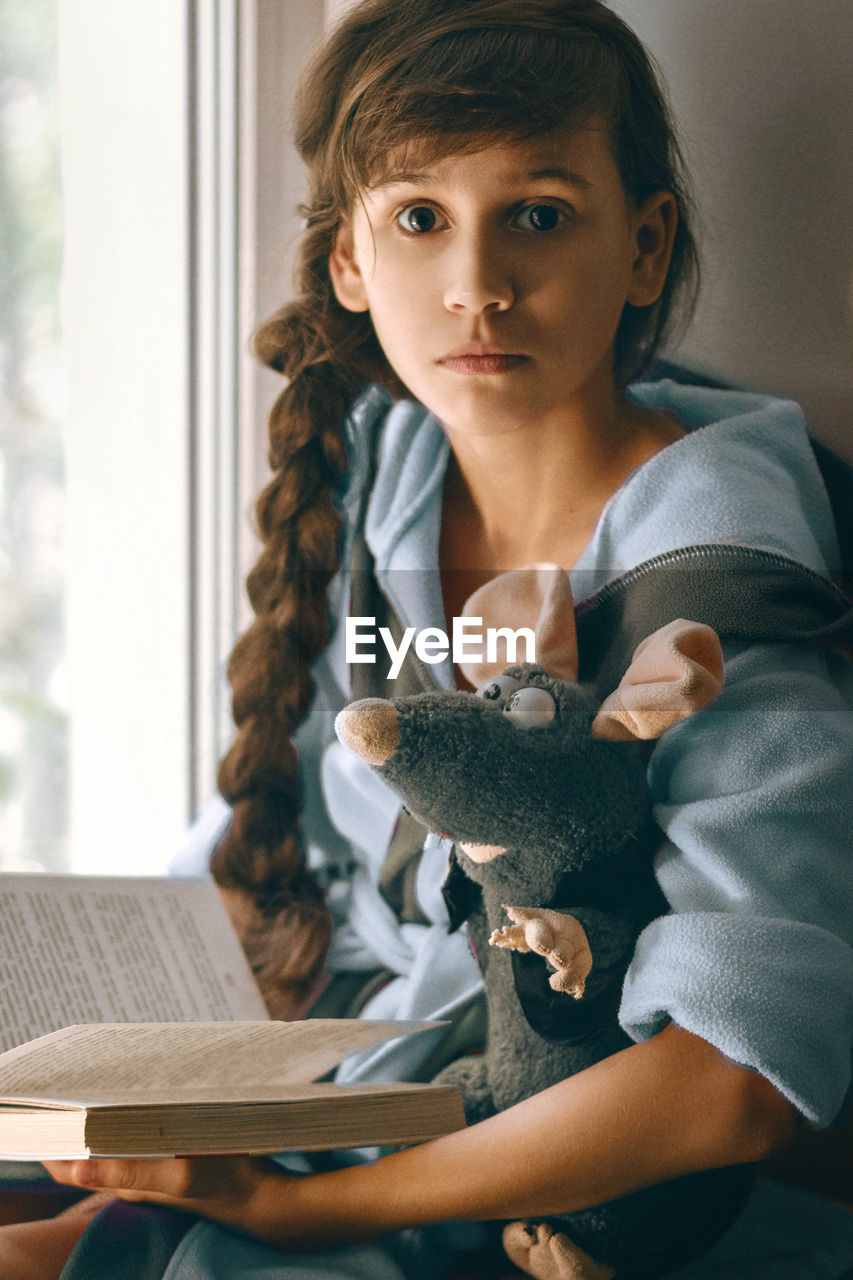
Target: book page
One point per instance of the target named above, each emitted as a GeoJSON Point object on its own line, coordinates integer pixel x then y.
{"type": "Point", "coordinates": [113, 949]}
{"type": "Point", "coordinates": [234, 1095]}
{"type": "Point", "coordinates": [184, 1059]}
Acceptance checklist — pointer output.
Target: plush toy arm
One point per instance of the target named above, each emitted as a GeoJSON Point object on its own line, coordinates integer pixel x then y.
{"type": "Point", "coordinates": [559, 938]}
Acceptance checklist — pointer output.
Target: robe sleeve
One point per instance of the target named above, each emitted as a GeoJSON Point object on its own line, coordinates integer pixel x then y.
{"type": "Point", "coordinates": [755, 799]}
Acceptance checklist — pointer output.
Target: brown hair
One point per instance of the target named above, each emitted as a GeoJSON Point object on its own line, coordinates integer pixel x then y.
{"type": "Point", "coordinates": [439, 76]}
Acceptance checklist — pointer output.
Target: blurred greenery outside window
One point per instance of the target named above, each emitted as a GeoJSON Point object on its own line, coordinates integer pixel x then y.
{"type": "Point", "coordinates": [131, 450]}
{"type": "Point", "coordinates": [33, 711]}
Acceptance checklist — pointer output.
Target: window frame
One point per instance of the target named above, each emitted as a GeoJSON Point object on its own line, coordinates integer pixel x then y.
{"type": "Point", "coordinates": [179, 224]}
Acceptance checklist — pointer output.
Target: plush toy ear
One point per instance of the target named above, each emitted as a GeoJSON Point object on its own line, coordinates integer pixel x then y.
{"type": "Point", "coordinates": [676, 671]}
{"type": "Point", "coordinates": [537, 597]}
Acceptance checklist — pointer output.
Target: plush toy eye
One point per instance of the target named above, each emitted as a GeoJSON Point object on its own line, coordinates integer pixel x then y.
{"type": "Point", "coordinates": [531, 708]}
{"type": "Point", "coordinates": [497, 690]}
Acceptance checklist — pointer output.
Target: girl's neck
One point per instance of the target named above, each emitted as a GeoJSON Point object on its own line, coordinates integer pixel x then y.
{"type": "Point", "coordinates": [518, 497]}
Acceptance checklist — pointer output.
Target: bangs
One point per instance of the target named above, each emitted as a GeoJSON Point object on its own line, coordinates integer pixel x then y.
{"type": "Point", "coordinates": [469, 90]}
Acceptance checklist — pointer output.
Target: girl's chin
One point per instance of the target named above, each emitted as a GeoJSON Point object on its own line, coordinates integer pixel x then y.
{"type": "Point", "coordinates": [474, 407]}
{"type": "Point", "coordinates": [487, 417]}
{"type": "Point", "coordinates": [479, 435]}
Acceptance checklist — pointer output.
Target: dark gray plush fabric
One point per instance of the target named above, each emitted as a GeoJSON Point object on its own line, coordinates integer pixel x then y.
{"type": "Point", "coordinates": [572, 814]}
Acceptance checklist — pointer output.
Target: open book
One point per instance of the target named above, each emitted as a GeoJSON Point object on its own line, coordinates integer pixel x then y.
{"type": "Point", "coordinates": [115, 949]}
{"type": "Point", "coordinates": [163, 1044]}
{"type": "Point", "coordinates": [156, 1089]}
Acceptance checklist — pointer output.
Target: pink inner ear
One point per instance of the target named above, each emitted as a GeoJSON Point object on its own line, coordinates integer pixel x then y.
{"type": "Point", "coordinates": [675, 672]}
{"type": "Point", "coordinates": [538, 597]}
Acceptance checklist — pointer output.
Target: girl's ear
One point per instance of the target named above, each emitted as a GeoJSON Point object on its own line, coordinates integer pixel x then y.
{"type": "Point", "coordinates": [654, 232]}
{"type": "Point", "coordinates": [347, 280]}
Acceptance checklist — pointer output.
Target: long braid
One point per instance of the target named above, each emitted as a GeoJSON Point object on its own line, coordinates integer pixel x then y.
{"type": "Point", "coordinates": [327, 354]}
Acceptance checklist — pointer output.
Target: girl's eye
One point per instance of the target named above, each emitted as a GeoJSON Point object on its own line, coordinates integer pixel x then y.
{"type": "Point", "coordinates": [419, 218]}
{"type": "Point", "coordinates": [539, 217]}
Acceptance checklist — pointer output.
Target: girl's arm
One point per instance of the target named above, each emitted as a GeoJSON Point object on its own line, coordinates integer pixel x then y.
{"type": "Point", "coordinates": [668, 1106]}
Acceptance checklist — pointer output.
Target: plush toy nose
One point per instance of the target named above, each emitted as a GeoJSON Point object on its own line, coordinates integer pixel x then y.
{"type": "Point", "coordinates": [370, 729]}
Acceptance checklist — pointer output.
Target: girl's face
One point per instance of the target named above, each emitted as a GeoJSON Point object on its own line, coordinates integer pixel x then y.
{"type": "Point", "coordinates": [495, 280]}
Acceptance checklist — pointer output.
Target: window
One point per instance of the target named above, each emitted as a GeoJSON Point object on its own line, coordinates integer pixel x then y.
{"type": "Point", "coordinates": [179, 198]}
{"type": "Point", "coordinates": [33, 719]}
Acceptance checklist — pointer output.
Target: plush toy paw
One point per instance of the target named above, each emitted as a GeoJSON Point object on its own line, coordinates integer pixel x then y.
{"type": "Point", "coordinates": [559, 938]}
{"type": "Point", "coordinates": [540, 1251]}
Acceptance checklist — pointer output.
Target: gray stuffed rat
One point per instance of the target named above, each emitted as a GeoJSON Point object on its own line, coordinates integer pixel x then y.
{"type": "Point", "coordinates": [544, 796]}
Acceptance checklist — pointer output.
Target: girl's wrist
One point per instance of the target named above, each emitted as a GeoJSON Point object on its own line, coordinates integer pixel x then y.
{"type": "Point", "coordinates": [308, 1211]}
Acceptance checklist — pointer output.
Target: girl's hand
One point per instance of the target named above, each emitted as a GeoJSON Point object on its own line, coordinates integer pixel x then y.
{"type": "Point", "coordinates": [255, 1195]}
{"type": "Point", "coordinates": [221, 1187]}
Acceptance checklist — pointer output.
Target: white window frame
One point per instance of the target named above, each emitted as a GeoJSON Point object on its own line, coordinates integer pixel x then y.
{"type": "Point", "coordinates": [180, 192]}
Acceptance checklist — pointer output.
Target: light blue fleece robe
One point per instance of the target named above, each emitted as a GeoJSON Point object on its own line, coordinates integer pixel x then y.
{"type": "Point", "coordinates": [753, 797]}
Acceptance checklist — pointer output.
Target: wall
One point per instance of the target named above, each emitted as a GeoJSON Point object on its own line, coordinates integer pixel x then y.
{"type": "Point", "coordinates": [761, 89]}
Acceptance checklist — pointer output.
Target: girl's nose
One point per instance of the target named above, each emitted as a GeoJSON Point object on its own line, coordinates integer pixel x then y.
{"type": "Point", "coordinates": [479, 280]}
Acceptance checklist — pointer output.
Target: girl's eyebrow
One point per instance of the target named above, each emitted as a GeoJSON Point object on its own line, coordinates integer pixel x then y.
{"type": "Point", "coordinates": [569, 176]}
{"type": "Point", "coordinates": [399, 177]}
{"type": "Point", "coordinates": [423, 177]}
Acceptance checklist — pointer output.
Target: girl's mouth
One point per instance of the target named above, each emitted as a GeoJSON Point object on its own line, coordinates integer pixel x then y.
{"type": "Point", "coordinates": [474, 362]}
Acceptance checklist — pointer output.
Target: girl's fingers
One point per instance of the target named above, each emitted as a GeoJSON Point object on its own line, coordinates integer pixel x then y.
{"type": "Point", "coordinates": [68, 1172]}
{"type": "Point", "coordinates": [173, 1177]}
{"type": "Point", "coordinates": [198, 1179]}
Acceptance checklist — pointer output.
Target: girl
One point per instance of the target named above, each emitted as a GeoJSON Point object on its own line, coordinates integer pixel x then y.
{"type": "Point", "coordinates": [496, 241]}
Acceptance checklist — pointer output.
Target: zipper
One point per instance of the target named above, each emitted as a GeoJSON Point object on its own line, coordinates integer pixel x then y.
{"type": "Point", "coordinates": [717, 554]}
